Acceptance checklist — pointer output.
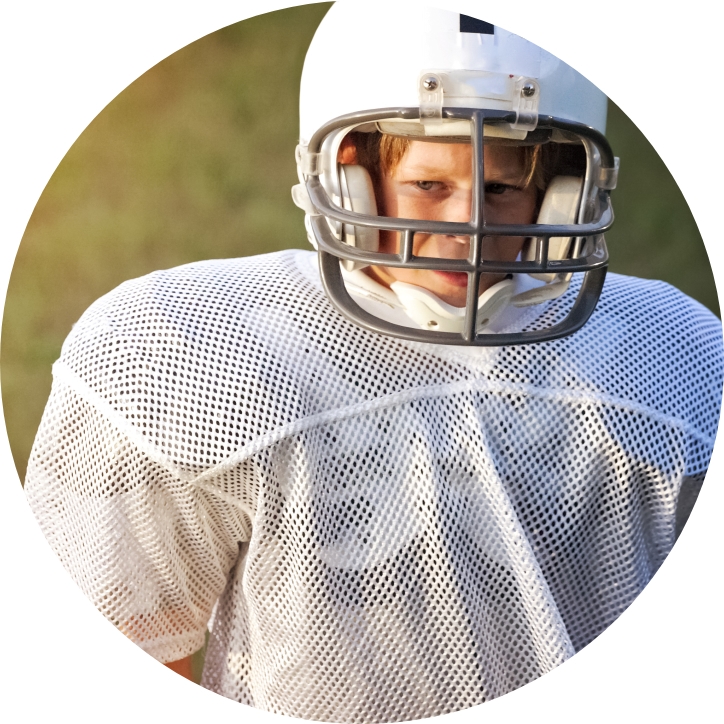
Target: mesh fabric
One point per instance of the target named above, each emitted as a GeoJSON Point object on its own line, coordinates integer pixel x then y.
{"type": "Point", "coordinates": [384, 530]}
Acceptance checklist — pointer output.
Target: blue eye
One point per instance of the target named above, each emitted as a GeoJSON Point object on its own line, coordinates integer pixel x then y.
{"type": "Point", "coordinates": [425, 185]}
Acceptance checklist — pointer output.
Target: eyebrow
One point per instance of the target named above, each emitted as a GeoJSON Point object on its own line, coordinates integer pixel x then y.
{"type": "Point", "coordinates": [420, 171]}
{"type": "Point", "coordinates": [423, 171]}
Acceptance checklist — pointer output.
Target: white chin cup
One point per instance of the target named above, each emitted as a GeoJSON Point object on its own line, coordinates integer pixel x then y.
{"type": "Point", "coordinates": [431, 313]}
{"type": "Point", "coordinates": [545, 293]}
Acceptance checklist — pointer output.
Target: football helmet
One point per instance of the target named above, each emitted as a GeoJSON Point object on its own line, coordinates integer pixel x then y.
{"type": "Point", "coordinates": [426, 75]}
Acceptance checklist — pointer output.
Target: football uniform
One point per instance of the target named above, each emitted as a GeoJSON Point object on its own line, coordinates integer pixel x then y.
{"type": "Point", "coordinates": [374, 529]}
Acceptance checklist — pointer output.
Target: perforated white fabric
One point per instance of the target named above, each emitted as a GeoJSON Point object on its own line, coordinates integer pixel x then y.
{"type": "Point", "coordinates": [391, 530]}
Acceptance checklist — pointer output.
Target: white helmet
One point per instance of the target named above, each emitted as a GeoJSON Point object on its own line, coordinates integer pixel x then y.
{"type": "Point", "coordinates": [429, 74]}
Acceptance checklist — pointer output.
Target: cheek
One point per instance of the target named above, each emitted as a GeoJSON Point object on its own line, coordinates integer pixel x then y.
{"type": "Point", "coordinates": [388, 242]}
{"type": "Point", "coordinates": [424, 244]}
{"type": "Point", "coordinates": [523, 211]}
{"type": "Point", "coordinates": [501, 248]}
{"type": "Point", "coordinates": [395, 201]}
{"type": "Point", "coordinates": [386, 198]}
{"type": "Point", "coordinates": [532, 207]}
{"type": "Point", "coordinates": [529, 206]}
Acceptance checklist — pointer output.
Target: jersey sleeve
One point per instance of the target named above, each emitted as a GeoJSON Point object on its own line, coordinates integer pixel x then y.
{"type": "Point", "coordinates": [696, 366]}
{"type": "Point", "coordinates": [150, 548]}
{"type": "Point", "coordinates": [699, 363]}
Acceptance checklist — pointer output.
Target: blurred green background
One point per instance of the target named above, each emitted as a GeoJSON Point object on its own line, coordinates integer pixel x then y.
{"type": "Point", "coordinates": [195, 160]}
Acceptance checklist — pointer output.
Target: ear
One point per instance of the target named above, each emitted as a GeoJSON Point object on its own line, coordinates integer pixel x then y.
{"type": "Point", "coordinates": [347, 153]}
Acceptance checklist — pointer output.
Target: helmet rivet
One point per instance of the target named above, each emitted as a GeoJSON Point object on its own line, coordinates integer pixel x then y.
{"type": "Point", "coordinates": [528, 90]}
{"type": "Point", "coordinates": [430, 83]}
{"type": "Point", "coordinates": [432, 324]}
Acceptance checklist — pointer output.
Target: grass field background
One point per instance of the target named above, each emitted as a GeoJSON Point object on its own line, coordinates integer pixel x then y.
{"type": "Point", "coordinates": [195, 160]}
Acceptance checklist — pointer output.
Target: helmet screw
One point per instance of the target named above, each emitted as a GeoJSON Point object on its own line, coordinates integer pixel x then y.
{"type": "Point", "coordinates": [430, 83]}
{"type": "Point", "coordinates": [528, 90]}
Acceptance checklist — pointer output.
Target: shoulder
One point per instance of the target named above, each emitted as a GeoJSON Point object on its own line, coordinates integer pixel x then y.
{"type": "Point", "coordinates": [637, 299]}
{"type": "Point", "coordinates": [658, 323]}
{"type": "Point", "coordinates": [651, 344]}
{"type": "Point", "coordinates": [187, 348]}
{"type": "Point", "coordinates": [219, 280]}
{"type": "Point", "coordinates": [206, 359]}
{"type": "Point", "coordinates": [188, 299]}
{"type": "Point", "coordinates": [647, 347]}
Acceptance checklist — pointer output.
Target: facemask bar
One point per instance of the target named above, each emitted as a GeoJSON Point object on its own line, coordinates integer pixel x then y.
{"type": "Point", "coordinates": [601, 167]}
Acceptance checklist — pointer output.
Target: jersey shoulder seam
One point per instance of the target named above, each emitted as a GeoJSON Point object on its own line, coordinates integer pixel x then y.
{"type": "Point", "coordinates": [64, 374]}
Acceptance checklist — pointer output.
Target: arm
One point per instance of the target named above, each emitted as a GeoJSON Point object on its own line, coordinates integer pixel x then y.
{"type": "Point", "coordinates": [183, 667]}
{"type": "Point", "coordinates": [133, 535]}
{"type": "Point", "coordinates": [690, 487]}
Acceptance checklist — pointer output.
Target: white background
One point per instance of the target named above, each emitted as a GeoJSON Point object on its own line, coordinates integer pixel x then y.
{"type": "Point", "coordinates": [62, 62]}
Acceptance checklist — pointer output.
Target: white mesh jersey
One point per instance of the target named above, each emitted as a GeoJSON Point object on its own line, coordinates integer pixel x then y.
{"type": "Point", "coordinates": [388, 530]}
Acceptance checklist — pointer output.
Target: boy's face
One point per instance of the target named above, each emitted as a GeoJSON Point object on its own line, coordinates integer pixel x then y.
{"type": "Point", "coordinates": [433, 181]}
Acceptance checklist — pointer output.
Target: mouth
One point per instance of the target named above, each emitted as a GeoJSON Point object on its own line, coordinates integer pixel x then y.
{"type": "Point", "coordinates": [456, 279]}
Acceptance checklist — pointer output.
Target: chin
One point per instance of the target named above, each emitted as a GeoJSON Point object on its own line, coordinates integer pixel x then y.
{"type": "Point", "coordinates": [453, 289]}
{"type": "Point", "coordinates": [456, 299]}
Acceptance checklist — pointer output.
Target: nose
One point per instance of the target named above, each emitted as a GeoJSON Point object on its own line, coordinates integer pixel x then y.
{"type": "Point", "coordinates": [457, 209]}
{"type": "Point", "coordinates": [458, 206]}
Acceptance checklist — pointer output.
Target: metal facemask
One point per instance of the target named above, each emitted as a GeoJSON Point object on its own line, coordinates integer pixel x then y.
{"type": "Point", "coordinates": [343, 230]}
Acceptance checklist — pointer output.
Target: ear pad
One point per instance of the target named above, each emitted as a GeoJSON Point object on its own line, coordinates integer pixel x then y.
{"type": "Point", "coordinates": [560, 206]}
{"type": "Point", "coordinates": [358, 195]}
